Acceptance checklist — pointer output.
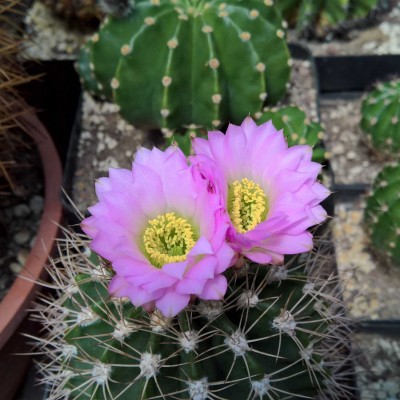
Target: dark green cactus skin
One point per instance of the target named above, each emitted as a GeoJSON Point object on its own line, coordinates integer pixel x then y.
{"type": "Point", "coordinates": [382, 214]}
{"type": "Point", "coordinates": [266, 340]}
{"type": "Point", "coordinates": [297, 128]}
{"type": "Point", "coordinates": [323, 15]}
{"type": "Point", "coordinates": [173, 63]}
{"type": "Point", "coordinates": [380, 120]}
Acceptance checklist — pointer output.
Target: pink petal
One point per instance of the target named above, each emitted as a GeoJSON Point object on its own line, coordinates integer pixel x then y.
{"type": "Point", "coordinates": [119, 287]}
{"type": "Point", "coordinates": [215, 289]}
{"type": "Point", "coordinates": [176, 269]}
{"type": "Point", "coordinates": [289, 244]}
{"type": "Point", "coordinates": [201, 146]}
{"type": "Point", "coordinates": [171, 303]}
{"type": "Point", "coordinates": [203, 268]}
{"type": "Point", "coordinates": [259, 256]}
{"type": "Point", "coordinates": [191, 286]}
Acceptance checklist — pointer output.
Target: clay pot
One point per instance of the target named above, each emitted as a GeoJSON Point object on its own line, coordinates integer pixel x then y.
{"type": "Point", "coordinates": [13, 308]}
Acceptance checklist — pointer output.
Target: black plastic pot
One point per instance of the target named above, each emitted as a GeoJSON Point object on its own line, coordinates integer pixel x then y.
{"type": "Point", "coordinates": [349, 77]}
{"type": "Point", "coordinates": [55, 96]}
{"type": "Point", "coordinates": [354, 73]}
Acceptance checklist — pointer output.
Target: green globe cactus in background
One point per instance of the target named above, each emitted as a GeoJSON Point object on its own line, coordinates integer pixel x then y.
{"type": "Point", "coordinates": [174, 63]}
{"type": "Point", "coordinates": [297, 128]}
{"type": "Point", "coordinates": [321, 16]}
{"type": "Point", "coordinates": [380, 118]}
{"type": "Point", "coordinates": [279, 333]}
{"type": "Point", "coordinates": [382, 214]}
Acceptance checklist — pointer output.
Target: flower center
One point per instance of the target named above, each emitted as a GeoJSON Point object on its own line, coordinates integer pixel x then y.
{"type": "Point", "coordinates": [168, 238]}
{"type": "Point", "coordinates": [247, 205]}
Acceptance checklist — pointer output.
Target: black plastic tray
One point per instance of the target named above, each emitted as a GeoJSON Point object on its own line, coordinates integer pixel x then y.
{"type": "Point", "coordinates": [350, 77]}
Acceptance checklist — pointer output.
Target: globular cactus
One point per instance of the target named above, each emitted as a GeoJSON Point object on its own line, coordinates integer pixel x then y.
{"type": "Point", "coordinates": [297, 128]}
{"type": "Point", "coordinates": [173, 63]}
{"type": "Point", "coordinates": [380, 118]}
{"type": "Point", "coordinates": [323, 15]}
{"type": "Point", "coordinates": [279, 333]}
{"type": "Point", "coordinates": [382, 214]}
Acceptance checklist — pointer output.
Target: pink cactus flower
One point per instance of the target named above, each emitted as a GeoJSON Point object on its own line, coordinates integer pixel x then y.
{"type": "Point", "coordinates": [163, 232]}
{"type": "Point", "coordinates": [269, 191]}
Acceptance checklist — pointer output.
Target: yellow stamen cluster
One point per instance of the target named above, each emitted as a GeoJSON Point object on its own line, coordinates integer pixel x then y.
{"type": "Point", "coordinates": [247, 205]}
{"type": "Point", "coordinates": [168, 238]}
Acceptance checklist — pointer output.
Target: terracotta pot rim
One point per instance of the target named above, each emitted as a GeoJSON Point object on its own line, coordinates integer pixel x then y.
{"type": "Point", "coordinates": [14, 306]}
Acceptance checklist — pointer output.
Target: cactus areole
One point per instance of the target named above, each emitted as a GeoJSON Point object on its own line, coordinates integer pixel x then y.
{"type": "Point", "coordinates": [174, 63]}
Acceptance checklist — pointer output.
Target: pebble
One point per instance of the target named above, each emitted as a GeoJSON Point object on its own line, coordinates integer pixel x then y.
{"type": "Point", "coordinates": [21, 210]}
{"type": "Point", "coordinates": [15, 268]}
{"type": "Point", "coordinates": [36, 204]}
{"type": "Point", "coordinates": [22, 237]}
{"type": "Point", "coordinates": [22, 256]}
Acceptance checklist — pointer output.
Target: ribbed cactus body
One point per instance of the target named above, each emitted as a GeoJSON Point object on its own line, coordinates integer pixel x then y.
{"type": "Point", "coordinates": [297, 128]}
{"type": "Point", "coordinates": [322, 15]}
{"type": "Point", "coordinates": [278, 334]}
{"type": "Point", "coordinates": [382, 214]}
{"type": "Point", "coordinates": [380, 120]}
{"type": "Point", "coordinates": [170, 64]}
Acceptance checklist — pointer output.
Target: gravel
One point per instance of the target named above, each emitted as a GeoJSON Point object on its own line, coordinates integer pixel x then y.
{"type": "Point", "coordinates": [352, 160]}
{"type": "Point", "coordinates": [372, 289]}
{"type": "Point", "coordinates": [377, 365]}
{"type": "Point", "coordinates": [50, 37]}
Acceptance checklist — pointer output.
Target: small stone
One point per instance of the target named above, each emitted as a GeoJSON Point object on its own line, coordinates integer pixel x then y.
{"type": "Point", "coordinates": [22, 256]}
{"type": "Point", "coordinates": [21, 210]}
{"type": "Point", "coordinates": [36, 204]}
{"type": "Point", "coordinates": [351, 155]}
{"type": "Point", "coordinates": [15, 268]}
{"type": "Point", "coordinates": [22, 237]}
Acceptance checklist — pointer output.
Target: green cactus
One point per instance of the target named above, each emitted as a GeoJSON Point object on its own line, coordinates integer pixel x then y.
{"type": "Point", "coordinates": [297, 128]}
{"type": "Point", "coordinates": [380, 118]}
{"type": "Point", "coordinates": [173, 63]}
{"type": "Point", "coordinates": [322, 15]}
{"type": "Point", "coordinates": [279, 333]}
{"type": "Point", "coordinates": [382, 214]}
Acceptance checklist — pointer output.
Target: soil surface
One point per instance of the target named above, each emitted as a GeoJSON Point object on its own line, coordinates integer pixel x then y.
{"type": "Point", "coordinates": [352, 160]}
{"type": "Point", "coordinates": [372, 288]}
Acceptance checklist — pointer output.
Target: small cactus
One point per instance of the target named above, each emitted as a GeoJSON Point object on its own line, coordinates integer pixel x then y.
{"type": "Point", "coordinates": [382, 214]}
{"type": "Point", "coordinates": [380, 119]}
{"type": "Point", "coordinates": [297, 128]}
{"type": "Point", "coordinates": [279, 333]}
{"type": "Point", "coordinates": [323, 15]}
{"type": "Point", "coordinates": [170, 64]}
